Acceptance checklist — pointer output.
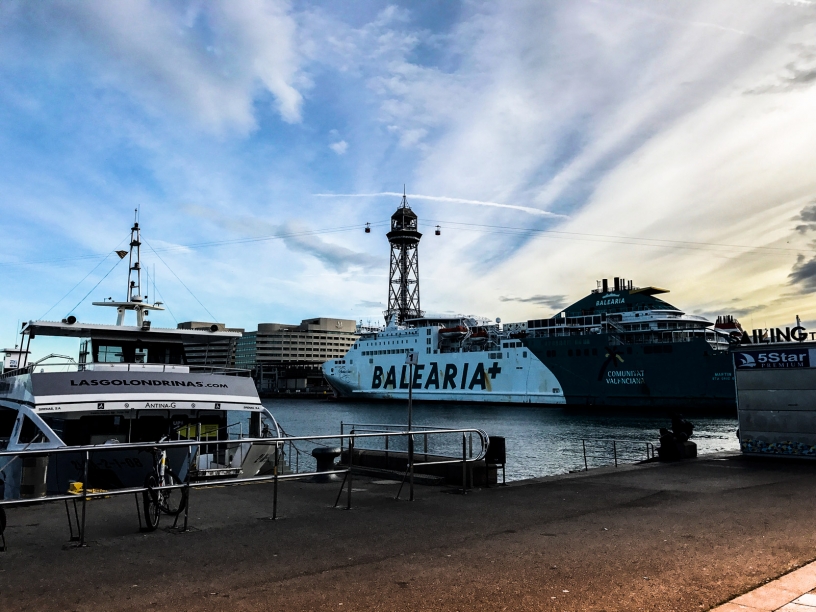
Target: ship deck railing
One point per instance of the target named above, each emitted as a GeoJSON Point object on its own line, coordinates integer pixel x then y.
{"type": "Point", "coordinates": [144, 368]}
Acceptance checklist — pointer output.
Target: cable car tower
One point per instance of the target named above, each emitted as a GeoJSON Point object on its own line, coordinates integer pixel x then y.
{"type": "Point", "coordinates": [403, 282]}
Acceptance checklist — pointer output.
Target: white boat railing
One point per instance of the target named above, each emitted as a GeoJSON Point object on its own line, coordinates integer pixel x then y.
{"type": "Point", "coordinates": [171, 368]}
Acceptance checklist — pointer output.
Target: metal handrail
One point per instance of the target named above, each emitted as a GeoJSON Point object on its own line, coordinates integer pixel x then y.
{"type": "Point", "coordinates": [189, 444]}
{"type": "Point", "coordinates": [182, 443]}
{"type": "Point", "coordinates": [649, 448]}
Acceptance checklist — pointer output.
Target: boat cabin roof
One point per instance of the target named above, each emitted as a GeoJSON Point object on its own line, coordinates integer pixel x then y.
{"type": "Point", "coordinates": [125, 332]}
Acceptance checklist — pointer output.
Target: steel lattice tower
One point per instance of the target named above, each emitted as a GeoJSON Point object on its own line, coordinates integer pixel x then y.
{"type": "Point", "coordinates": [403, 283]}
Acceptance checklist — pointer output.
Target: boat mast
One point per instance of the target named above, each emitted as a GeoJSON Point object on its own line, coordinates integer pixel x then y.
{"type": "Point", "coordinates": [134, 291]}
{"type": "Point", "coordinates": [134, 300]}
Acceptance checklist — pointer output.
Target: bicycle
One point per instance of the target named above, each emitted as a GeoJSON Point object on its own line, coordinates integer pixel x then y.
{"type": "Point", "coordinates": [157, 500]}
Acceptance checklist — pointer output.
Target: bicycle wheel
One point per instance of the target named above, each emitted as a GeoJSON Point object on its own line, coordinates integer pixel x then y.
{"type": "Point", "coordinates": [172, 501]}
{"type": "Point", "coordinates": [150, 503]}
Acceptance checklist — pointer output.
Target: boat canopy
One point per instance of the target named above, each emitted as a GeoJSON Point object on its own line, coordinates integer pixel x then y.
{"type": "Point", "coordinates": [125, 332]}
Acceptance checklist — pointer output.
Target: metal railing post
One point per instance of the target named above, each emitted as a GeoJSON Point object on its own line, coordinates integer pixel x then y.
{"type": "Point", "coordinates": [410, 466]}
{"type": "Point", "coordinates": [84, 497]}
{"type": "Point", "coordinates": [386, 451]}
{"type": "Point", "coordinates": [464, 463]}
{"type": "Point", "coordinates": [187, 489]}
{"type": "Point", "coordinates": [586, 465]}
{"type": "Point", "coordinates": [275, 485]}
{"type": "Point", "coordinates": [615, 451]}
{"type": "Point", "coordinates": [350, 473]}
{"type": "Point", "coordinates": [426, 447]}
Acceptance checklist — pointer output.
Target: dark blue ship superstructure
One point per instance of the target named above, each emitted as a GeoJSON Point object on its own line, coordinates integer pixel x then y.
{"type": "Point", "coordinates": [622, 346]}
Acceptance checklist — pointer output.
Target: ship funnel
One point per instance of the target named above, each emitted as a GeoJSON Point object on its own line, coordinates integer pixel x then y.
{"type": "Point", "coordinates": [617, 283]}
{"type": "Point", "coordinates": [605, 286]}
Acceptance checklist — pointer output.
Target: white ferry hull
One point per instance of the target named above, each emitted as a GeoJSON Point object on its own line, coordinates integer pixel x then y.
{"type": "Point", "coordinates": [509, 376]}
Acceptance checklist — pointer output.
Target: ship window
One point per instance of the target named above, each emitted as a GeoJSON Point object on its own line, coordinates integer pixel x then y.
{"type": "Point", "coordinates": [586, 352]}
{"type": "Point", "coordinates": [594, 351]}
{"type": "Point", "coordinates": [30, 433]}
{"type": "Point", "coordinates": [524, 354]}
{"type": "Point", "coordinates": [7, 419]}
{"type": "Point", "coordinates": [110, 354]}
{"type": "Point", "coordinates": [569, 352]}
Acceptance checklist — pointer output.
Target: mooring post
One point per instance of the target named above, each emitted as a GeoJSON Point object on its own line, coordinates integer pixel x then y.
{"type": "Point", "coordinates": [84, 497]}
{"type": "Point", "coordinates": [275, 485]}
{"type": "Point", "coordinates": [615, 451]}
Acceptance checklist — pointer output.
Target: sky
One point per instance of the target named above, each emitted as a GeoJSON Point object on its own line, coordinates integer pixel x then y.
{"type": "Point", "coordinates": [554, 144]}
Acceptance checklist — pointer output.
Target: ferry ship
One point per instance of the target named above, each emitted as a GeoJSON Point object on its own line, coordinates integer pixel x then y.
{"type": "Point", "coordinates": [620, 346]}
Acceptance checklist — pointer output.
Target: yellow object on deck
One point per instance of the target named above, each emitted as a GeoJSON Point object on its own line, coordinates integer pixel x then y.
{"type": "Point", "coordinates": [76, 488]}
{"type": "Point", "coordinates": [191, 432]}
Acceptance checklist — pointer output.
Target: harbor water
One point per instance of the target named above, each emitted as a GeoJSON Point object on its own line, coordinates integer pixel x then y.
{"type": "Point", "coordinates": [540, 441]}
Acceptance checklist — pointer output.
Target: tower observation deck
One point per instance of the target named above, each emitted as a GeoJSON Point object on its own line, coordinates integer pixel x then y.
{"type": "Point", "coordinates": [403, 282]}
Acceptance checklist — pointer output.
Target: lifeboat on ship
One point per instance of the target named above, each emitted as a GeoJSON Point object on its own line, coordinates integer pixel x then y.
{"type": "Point", "coordinates": [456, 332]}
{"type": "Point", "coordinates": [479, 334]}
{"type": "Point", "coordinates": [728, 324]}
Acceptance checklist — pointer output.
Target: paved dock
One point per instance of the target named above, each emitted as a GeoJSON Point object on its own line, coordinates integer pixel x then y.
{"type": "Point", "coordinates": [663, 537]}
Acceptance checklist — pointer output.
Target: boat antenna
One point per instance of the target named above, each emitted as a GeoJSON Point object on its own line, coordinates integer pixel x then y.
{"type": "Point", "coordinates": [134, 291]}
{"type": "Point", "coordinates": [134, 300]}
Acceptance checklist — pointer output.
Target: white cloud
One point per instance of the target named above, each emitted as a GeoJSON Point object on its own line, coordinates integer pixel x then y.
{"type": "Point", "coordinates": [431, 198]}
{"type": "Point", "coordinates": [206, 60]}
{"type": "Point", "coordinates": [339, 147]}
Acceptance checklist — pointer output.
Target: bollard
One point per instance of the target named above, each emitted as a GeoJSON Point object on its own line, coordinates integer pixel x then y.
{"type": "Point", "coordinates": [325, 456]}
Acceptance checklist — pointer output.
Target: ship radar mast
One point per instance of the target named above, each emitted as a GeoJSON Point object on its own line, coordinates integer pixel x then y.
{"type": "Point", "coordinates": [134, 299]}
{"type": "Point", "coordinates": [403, 282]}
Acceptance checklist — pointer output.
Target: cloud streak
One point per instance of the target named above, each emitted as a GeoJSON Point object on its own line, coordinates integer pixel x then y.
{"type": "Point", "coordinates": [556, 302]}
{"type": "Point", "coordinates": [416, 196]}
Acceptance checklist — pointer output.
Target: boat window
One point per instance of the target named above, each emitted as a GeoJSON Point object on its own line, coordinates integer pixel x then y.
{"type": "Point", "coordinates": [137, 352]}
{"type": "Point", "coordinates": [7, 419]}
{"type": "Point", "coordinates": [109, 354]}
{"type": "Point", "coordinates": [30, 433]}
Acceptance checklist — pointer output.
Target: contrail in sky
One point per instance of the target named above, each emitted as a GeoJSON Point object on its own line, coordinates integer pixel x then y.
{"type": "Point", "coordinates": [416, 196]}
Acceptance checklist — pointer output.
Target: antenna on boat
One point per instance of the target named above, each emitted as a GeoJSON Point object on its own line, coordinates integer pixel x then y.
{"type": "Point", "coordinates": [134, 300]}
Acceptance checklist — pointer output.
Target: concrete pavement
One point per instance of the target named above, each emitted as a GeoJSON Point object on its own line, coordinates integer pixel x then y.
{"type": "Point", "coordinates": [687, 536]}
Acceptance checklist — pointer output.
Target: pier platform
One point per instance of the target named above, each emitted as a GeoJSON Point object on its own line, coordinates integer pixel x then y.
{"type": "Point", "coordinates": [686, 536]}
